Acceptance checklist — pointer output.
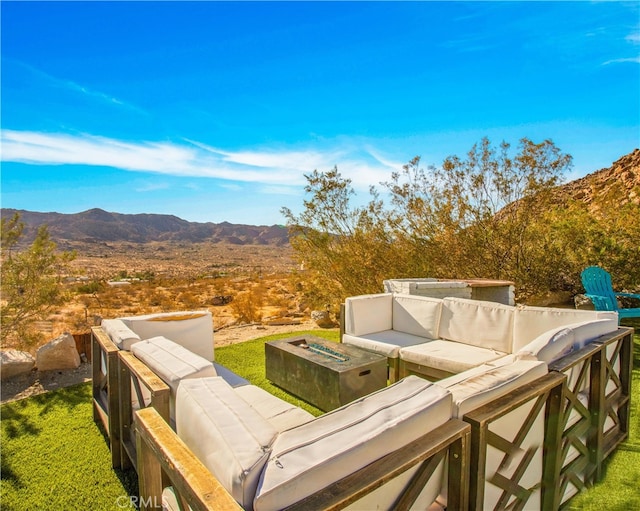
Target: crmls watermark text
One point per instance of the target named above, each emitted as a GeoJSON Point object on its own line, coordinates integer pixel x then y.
{"type": "Point", "coordinates": [139, 502]}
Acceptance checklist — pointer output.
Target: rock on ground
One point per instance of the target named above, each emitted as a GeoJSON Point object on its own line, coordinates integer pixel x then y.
{"type": "Point", "coordinates": [61, 353]}
{"type": "Point", "coordinates": [14, 363]}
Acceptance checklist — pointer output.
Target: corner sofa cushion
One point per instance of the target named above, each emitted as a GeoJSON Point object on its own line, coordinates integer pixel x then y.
{"type": "Point", "coordinates": [280, 414]}
{"type": "Point", "coordinates": [477, 323]}
{"type": "Point", "coordinates": [453, 357]}
{"type": "Point", "coordinates": [366, 314]}
{"type": "Point", "coordinates": [387, 343]}
{"type": "Point", "coordinates": [121, 335]}
{"type": "Point", "coordinates": [191, 329]}
{"type": "Point", "coordinates": [172, 363]}
{"type": "Point", "coordinates": [416, 315]}
{"type": "Point", "coordinates": [310, 457]}
{"type": "Point", "coordinates": [228, 436]}
{"type": "Point", "coordinates": [481, 387]}
{"type": "Point", "coordinates": [530, 322]}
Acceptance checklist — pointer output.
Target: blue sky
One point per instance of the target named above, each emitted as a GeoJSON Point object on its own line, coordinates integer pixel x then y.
{"type": "Point", "coordinates": [214, 111]}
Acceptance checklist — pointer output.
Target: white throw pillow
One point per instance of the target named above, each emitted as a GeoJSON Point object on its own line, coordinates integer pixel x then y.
{"type": "Point", "coordinates": [121, 335]}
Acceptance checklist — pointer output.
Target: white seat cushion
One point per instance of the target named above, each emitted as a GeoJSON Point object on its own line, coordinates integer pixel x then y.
{"type": "Point", "coordinates": [453, 357]}
{"type": "Point", "coordinates": [308, 458]}
{"type": "Point", "coordinates": [280, 414]}
{"type": "Point", "coordinates": [482, 387]}
{"type": "Point", "coordinates": [387, 343]}
{"type": "Point", "coordinates": [478, 323]}
{"type": "Point", "coordinates": [121, 335]}
{"type": "Point", "coordinates": [228, 436]}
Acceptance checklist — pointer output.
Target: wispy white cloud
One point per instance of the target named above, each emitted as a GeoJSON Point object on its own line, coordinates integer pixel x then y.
{"type": "Point", "coordinates": [88, 92]}
{"type": "Point", "coordinates": [634, 60]}
{"type": "Point", "coordinates": [279, 169]}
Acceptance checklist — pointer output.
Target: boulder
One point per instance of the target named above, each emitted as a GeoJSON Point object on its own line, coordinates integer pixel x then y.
{"type": "Point", "coordinates": [15, 363]}
{"type": "Point", "coordinates": [322, 319]}
{"type": "Point", "coordinates": [61, 353]}
{"type": "Point", "coordinates": [582, 302]}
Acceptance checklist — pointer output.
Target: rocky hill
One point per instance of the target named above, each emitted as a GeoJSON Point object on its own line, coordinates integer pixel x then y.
{"type": "Point", "coordinates": [97, 225]}
{"type": "Point", "coordinates": [615, 186]}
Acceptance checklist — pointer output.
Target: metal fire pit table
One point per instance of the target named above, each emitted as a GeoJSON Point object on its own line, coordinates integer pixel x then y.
{"type": "Point", "coordinates": [324, 373]}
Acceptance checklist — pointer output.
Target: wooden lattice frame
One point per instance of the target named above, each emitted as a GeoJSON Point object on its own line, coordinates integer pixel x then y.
{"type": "Point", "coordinates": [584, 366]}
{"type": "Point", "coordinates": [616, 347]}
{"type": "Point", "coordinates": [546, 392]}
{"type": "Point", "coordinates": [162, 453]}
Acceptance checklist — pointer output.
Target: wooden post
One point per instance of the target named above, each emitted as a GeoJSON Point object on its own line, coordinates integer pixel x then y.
{"type": "Point", "coordinates": [106, 408]}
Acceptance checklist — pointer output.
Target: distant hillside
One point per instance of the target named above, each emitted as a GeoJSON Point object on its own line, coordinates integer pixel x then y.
{"type": "Point", "coordinates": [611, 187]}
{"type": "Point", "coordinates": [97, 225]}
{"type": "Point", "coordinates": [605, 188]}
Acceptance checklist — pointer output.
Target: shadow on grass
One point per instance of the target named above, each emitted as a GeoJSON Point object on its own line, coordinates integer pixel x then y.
{"type": "Point", "coordinates": [18, 420]}
{"type": "Point", "coordinates": [128, 477]}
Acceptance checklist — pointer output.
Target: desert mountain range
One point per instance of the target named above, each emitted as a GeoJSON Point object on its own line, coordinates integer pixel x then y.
{"type": "Point", "coordinates": [618, 184]}
{"type": "Point", "coordinates": [97, 225]}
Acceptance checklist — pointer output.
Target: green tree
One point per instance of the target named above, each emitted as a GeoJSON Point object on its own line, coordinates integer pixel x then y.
{"type": "Point", "coordinates": [30, 282]}
{"type": "Point", "coordinates": [345, 250]}
{"type": "Point", "coordinates": [477, 217]}
{"type": "Point", "coordinates": [473, 217]}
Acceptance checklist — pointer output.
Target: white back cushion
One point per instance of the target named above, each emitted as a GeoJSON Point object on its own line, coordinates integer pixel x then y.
{"type": "Point", "coordinates": [367, 314]}
{"type": "Point", "coordinates": [121, 335]}
{"type": "Point", "coordinates": [308, 458]}
{"type": "Point", "coordinates": [530, 322]}
{"type": "Point", "coordinates": [416, 315]}
{"type": "Point", "coordinates": [478, 323]}
{"type": "Point", "coordinates": [228, 436]}
{"type": "Point", "coordinates": [192, 329]}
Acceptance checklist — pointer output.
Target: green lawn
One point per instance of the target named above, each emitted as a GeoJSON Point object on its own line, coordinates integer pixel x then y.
{"type": "Point", "coordinates": [55, 457]}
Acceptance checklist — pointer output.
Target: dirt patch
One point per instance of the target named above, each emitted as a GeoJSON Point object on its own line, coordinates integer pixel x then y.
{"type": "Point", "coordinates": [38, 382]}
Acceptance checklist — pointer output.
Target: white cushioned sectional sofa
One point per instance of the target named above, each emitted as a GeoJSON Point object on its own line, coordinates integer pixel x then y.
{"type": "Point", "coordinates": [226, 444]}
{"type": "Point", "coordinates": [437, 338]}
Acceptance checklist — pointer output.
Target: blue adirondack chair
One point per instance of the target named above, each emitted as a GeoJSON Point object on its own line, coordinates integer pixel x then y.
{"type": "Point", "coordinates": [598, 287]}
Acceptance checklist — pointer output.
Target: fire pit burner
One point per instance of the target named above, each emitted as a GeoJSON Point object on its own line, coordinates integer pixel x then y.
{"type": "Point", "coordinates": [323, 350]}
